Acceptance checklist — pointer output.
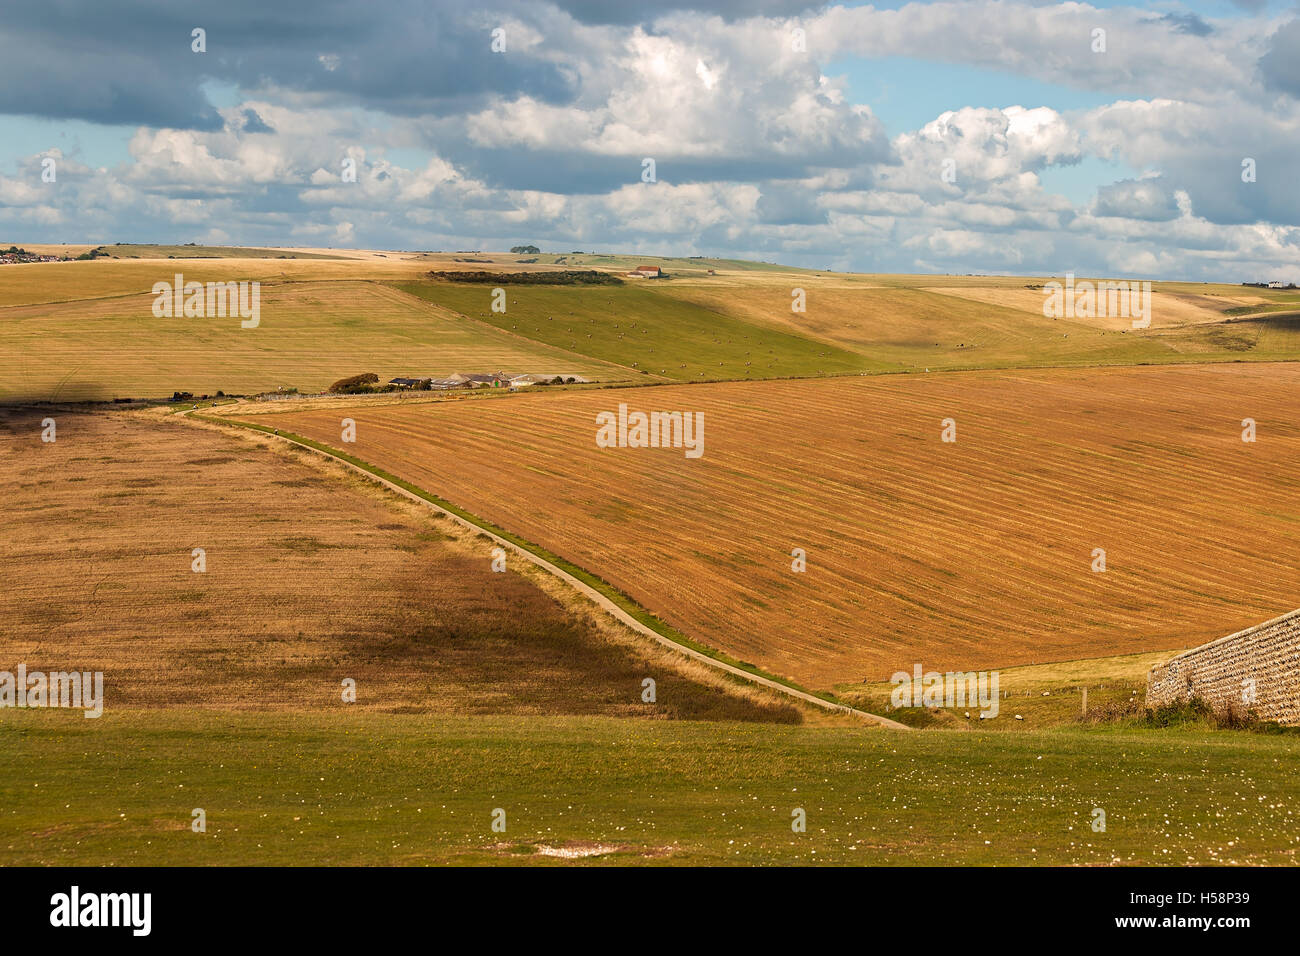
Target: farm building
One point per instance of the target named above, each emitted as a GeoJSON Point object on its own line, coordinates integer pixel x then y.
{"type": "Point", "coordinates": [646, 272]}
{"type": "Point", "coordinates": [484, 380]}
{"type": "Point", "coordinates": [481, 379]}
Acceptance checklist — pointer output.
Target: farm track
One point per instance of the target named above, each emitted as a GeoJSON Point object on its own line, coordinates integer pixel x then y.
{"type": "Point", "coordinates": [600, 600]}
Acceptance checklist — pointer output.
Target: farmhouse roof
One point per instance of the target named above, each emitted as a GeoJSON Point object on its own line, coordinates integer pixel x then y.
{"type": "Point", "coordinates": [480, 378]}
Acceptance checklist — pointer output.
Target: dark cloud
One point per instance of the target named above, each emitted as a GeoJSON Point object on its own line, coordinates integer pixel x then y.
{"type": "Point", "coordinates": [60, 62]}
{"type": "Point", "coordinates": [1280, 66]}
{"type": "Point", "coordinates": [623, 13]}
{"type": "Point", "coordinates": [1150, 200]}
{"type": "Point", "coordinates": [131, 61]}
{"type": "Point", "coordinates": [783, 204]}
{"type": "Point", "coordinates": [1213, 180]}
{"type": "Point", "coordinates": [254, 123]}
{"type": "Point", "coordinates": [577, 172]}
{"type": "Point", "coordinates": [1188, 23]}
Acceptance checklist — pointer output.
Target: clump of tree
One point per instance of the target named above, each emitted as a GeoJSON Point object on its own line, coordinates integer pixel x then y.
{"type": "Point", "coordinates": [525, 250]}
{"type": "Point", "coordinates": [565, 277]}
{"type": "Point", "coordinates": [354, 384]}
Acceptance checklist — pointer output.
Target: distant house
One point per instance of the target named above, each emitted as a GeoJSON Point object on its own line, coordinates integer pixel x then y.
{"type": "Point", "coordinates": [435, 384]}
{"type": "Point", "coordinates": [646, 272]}
{"type": "Point", "coordinates": [521, 381]}
{"type": "Point", "coordinates": [482, 379]}
{"type": "Point", "coordinates": [1277, 284]}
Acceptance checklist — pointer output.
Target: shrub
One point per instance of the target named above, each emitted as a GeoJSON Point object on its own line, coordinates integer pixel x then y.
{"type": "Point", "coordinates": [1198, 710]}
{"type": "Point", "coordinates": [354, 384]}
{"type": "Point", "coordinates": [566, 277]}
{"type": "Point", "coordinates": [1193, 712]}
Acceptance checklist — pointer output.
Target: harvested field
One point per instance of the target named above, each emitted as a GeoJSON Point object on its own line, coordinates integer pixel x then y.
{"type": "Point", "coordinates": [977, 553]}
{"type": "Point", "coordinates": [52, 282]}
{"type": "Point", "coordinates": [311, 577]}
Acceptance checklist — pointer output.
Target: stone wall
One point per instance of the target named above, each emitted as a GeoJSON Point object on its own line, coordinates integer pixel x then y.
{"type": "Point", "coordinates": [1269, 653]}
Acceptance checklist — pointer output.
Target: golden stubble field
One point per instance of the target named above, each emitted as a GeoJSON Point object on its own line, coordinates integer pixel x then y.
{"type": "Point", "coordinates": [977, 553]}
{"type": "Point", "coordinates": [312, 576]}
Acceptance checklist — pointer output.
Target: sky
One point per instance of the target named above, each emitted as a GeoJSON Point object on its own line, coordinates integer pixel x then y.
{"type": "Point", "coordinates": [976, 136]}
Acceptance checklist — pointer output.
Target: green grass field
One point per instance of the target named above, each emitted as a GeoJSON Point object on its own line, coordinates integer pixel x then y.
{"type": "Point", "coordinates": [358, 789]}
{"type": "Point", "coordinates": [646, 330]}
{"type": "Point", "coordinates": [1043, 695]}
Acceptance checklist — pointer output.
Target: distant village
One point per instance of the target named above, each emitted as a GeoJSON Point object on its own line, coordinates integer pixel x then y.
{"type": "Point", "coordinates": [13, 255]}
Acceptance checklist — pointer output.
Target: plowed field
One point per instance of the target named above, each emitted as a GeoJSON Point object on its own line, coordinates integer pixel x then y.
{"type": "Point", "coordinates": [975, 553]}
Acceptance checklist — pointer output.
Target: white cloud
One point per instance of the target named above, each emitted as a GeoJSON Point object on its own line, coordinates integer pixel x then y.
{"type": "Point", "coordinates": [759, 152]}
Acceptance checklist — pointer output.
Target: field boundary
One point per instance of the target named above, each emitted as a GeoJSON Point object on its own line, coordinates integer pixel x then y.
{"type": "Point", "coordinates": [1221, 670]}
{"type": "Point", "coordinates": [526, 550]}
